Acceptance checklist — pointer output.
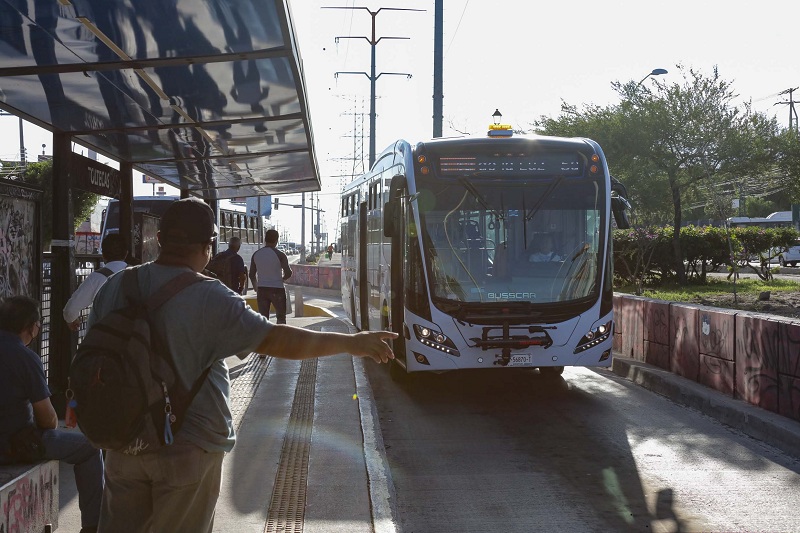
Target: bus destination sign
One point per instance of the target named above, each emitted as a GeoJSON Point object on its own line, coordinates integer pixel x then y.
{"type": "Point", "coordinates": [511, 165]}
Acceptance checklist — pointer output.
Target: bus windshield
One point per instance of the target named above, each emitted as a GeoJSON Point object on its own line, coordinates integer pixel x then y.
{"type": "Point", "coordinates": [494, 239]}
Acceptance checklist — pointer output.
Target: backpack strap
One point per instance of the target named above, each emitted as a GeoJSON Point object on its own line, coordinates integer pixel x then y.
{"type": "Point", "coordinates": [104, 271]}
{"type": "Point", "coordinates": [130, 287]}
{"type": "Point", "coordinates": [173, 287]}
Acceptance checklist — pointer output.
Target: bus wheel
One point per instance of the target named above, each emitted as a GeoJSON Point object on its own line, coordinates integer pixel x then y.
{"type": "Point", "coordinates": [551, 371]}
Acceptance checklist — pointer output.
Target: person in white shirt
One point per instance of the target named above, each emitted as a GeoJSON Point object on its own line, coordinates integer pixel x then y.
{"type": "Point", "coordinates": [269, 268]}
{"type": "Point", "coordinates": [544, 251]}
{"type": "Point", "coordinates": [115, 251]}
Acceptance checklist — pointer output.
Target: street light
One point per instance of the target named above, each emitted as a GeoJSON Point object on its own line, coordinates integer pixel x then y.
{"type": "Point", "coordinates": [655, 72]}
{"type": "Point", "coordinates": [497, 116]}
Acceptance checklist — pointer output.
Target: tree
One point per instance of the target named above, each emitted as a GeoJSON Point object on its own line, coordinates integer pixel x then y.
{"type": "Point", "coordinates": [679, 140]}
{"type": "Point", "coordinates": [83, 203]}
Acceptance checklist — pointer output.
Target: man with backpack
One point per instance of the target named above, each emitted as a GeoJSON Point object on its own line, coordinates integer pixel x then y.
{"type": "Point", "coordinates": [115, 251]}
{"type": "Point", "coordinates": [229, 268]}
{"type": "Point", "coordinates": [174, 488]}
{"type": "Point", "coordinates": [28, 421]}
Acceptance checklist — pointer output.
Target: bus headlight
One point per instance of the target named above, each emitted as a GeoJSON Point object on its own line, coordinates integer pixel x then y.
{"type": "Point", "coordinates": [595, 336]}
{"type": "Point", "coordinates": [435, 339]}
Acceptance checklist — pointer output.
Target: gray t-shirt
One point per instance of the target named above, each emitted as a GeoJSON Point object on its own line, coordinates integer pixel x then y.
{"type": "Point", "coordinates": [202, 325]}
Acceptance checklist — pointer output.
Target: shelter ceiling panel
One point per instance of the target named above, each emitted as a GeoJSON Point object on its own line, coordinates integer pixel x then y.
{"type": "Point", "coordinates": [182, 87]}
{"type": "Point", "coordinates": [228, 178]}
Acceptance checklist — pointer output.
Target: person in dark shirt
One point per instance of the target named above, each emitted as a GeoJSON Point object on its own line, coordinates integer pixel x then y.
{"type": "Point", "coordinates": [229, 267]}
{"type": "Point", "coordinates": [25, 403]}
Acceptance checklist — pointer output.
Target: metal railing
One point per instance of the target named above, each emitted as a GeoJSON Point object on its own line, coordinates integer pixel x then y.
{"type": "Point", "coordinates": [86, 264]}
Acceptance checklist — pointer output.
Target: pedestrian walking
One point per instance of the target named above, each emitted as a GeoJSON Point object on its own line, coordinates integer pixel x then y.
{"type": "Point", "coordinates": [269, 268]}
{"type": "Point", "coordinates": [175, 488]}
{"type": "Point", "coordinates": [115, 251]}
{"type": "Point", "coordinates": [229, 267]}
{"type": "Point", "coordinates": [28, 425]}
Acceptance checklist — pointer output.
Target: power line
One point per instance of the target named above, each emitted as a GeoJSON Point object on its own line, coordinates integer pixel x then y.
{"type": "Point", "coordinates": [453, 38]}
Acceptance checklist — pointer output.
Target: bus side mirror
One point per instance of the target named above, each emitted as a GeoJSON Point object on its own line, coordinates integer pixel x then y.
{"type": "Point", "coordinates": [389, 219]}
{"type": "Point", "coordinates": [619, 207]}
{"type": "Point", "coordinates": [620, 204]}
{"type": "Point", "coordinates": [392, 209]}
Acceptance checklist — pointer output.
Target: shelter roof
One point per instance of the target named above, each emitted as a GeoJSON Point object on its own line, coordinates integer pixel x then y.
{"type": "Point", "coordinates": [205, 96]}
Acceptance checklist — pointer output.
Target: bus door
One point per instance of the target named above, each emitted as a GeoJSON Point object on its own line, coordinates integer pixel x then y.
{"type": "Point", "coordinates": [395, 227]}
{"type": "Point", "coordinates": [361, 275]}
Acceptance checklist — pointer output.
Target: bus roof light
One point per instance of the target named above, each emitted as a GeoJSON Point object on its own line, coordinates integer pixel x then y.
{"type": "Point", "coordinates": [500, 130]}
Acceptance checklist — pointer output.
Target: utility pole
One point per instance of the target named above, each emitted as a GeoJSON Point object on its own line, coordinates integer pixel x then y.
{"type": "Point", "coordinates": [372, 76]}
{"type": "Point", "coordinates": [303, 230]}
{"type": "Point", "coordinates": [792, 111]}
{"type": "Point", "coordinates": [438, 65]}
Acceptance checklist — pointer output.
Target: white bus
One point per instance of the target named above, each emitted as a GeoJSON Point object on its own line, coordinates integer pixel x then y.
{"type": "Point", "coordinates": [441, 243]}
{"type": "Point", "coordinates": [147, 210]}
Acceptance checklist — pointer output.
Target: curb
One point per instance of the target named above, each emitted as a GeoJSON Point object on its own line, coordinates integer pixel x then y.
{"type": "Point", "coordinates": [771, 428]}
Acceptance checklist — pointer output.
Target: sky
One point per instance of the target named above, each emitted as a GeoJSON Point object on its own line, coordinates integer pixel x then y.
{"type": "Point", "coordinates": [522, 57]}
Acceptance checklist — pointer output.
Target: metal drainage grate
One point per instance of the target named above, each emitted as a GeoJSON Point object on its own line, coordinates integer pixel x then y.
{"type": "Point", "coordinates": [244, 382]}
{"type": "Point", "coordinates": [288, 503]}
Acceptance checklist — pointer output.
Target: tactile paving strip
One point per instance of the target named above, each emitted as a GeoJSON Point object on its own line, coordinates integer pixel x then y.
{"type": "Point", "coordinates": [287, 506]}
{"type": "Point", "coordinates": [244, 381]}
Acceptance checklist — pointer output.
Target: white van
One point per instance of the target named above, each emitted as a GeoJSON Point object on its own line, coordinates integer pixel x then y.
{"type": "Point", "coordinates": [791, 256]}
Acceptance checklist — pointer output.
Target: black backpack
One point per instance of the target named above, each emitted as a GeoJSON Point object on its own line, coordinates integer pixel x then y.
{"type": "Point", "coordinates": [127, 394]}
{"type": "Point", "coordinates": [220, 265]}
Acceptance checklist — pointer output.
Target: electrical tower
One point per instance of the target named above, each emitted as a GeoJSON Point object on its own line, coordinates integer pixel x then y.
{"type": "Point", "coordinates": [372, 76]}
{"type": "Point", "coordinates": [353, 164]}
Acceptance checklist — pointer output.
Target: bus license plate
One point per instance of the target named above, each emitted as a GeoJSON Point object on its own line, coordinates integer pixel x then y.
{"type": "Point", "coordinates": [521, 359]}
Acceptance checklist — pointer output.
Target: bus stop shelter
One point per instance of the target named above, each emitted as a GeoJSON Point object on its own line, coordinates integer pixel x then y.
{"type": "Point", "coordinates": [208, 97]}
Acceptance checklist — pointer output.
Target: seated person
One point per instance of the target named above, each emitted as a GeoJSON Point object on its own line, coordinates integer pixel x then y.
{"type": "Point", "coordinates": [28, 417]}
{"type": "Point", "coordinates": [544, 251]}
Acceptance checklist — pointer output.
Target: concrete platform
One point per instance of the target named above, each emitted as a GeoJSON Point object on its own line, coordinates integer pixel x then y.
{"type": "Point", "coordinates": [344, 484]}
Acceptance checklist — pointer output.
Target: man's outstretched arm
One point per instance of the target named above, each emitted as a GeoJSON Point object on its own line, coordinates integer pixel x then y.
{"type": "Point", "coordinates": [289, 342]}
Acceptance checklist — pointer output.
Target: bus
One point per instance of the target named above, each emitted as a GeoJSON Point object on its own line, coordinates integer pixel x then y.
{"type": "Point", "coordinates": [441, 244]}
{"type": "Point", "coordinates": [233, 221]}
{"type": "Point", "coordinates": [779, 219]}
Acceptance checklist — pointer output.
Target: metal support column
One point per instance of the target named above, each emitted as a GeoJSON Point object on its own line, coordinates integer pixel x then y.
{"type": "Point", "coordinates": [126, 204]}
{"type": "Point", "coordinates": [62, 268]}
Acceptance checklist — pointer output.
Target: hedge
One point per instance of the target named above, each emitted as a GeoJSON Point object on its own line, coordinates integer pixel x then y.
{"type": "Point", "coordinates": [646, 255]}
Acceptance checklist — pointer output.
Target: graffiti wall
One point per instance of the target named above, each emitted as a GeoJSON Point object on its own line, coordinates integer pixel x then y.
{"type": "Point", "coordinates": [30, 501]}
{"type": "Point", "coordinates": [320, 277]}
{"type": "Point", "coordinates": [20, 248]}
{"type": "Point", "coordinates": [750, 356]}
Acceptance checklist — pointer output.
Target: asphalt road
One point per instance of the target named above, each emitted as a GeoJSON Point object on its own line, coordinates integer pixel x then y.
{"type": "Point", "coordinates": [513, 451]}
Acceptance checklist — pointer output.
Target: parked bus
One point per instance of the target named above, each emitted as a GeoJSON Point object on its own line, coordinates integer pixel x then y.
{"type": "Point", "coordinates": [147, 211]}
{"type": "Point", "coordinates": [441, 243]}
{"type": "Point", "coordinates": [779, 219]}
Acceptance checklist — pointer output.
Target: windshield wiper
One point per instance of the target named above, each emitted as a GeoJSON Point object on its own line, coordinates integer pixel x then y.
{"type": "Point", "coordinates": [479, 197]}
{"type": "Point", "coordinates": [535, 209]}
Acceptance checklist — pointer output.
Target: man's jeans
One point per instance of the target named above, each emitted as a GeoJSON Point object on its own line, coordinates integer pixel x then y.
{"type": "Point", "coordinates": [267, 296]}
{"type": "Point", "coordinates": [72, 447]}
